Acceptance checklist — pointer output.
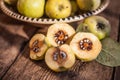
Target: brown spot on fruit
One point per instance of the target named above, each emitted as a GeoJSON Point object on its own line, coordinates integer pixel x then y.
{"type": "Point", "coordinates": [61, 7]}
{"type": "Point", "coordinates": [59, 56]}
{"type": "Point", "coordinates": [100, 26]}
{"type": "Point", "coordinates": [36, 46]}
{"type": "Point", "coordinates": [36, 49]}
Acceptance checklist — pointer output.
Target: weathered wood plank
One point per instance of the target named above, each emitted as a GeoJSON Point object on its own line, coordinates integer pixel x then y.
{"type": "Point", "coordinates": [117, 69]}
{"type": "Point", "coordinates": [25, 68]}
{"type": "Point", "coordinates": [38, 70]}
{"type": "Point", "coordinates": [117, 74]}
{"type": "Point", "coordinates": [112, 13]}
{"type": "Point", "coordinates": [12, 40]}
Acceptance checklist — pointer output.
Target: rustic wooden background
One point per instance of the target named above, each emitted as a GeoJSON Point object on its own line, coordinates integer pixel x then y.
{"type": "Point", "coordinates": [15, 63]}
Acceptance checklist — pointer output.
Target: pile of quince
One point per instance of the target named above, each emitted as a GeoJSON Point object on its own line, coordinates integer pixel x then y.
{"type": "Point", "coordinates": [62, 43]}
{"type": "Point", "coordinates": [53, 8]}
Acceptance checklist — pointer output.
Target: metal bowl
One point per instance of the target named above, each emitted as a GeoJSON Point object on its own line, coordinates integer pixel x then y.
{"type": "Point", "coordinates": [8, 10]}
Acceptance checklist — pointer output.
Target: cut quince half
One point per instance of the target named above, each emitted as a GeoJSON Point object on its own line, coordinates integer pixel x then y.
{"type": "Point", "coordinates": [59, 33]}
{"type": "Point", "coordinates": [37, 47]}
{"type": "Point", "coordinates": [60, 58]}
{"type": "Point", "coordinates": [86, 46]}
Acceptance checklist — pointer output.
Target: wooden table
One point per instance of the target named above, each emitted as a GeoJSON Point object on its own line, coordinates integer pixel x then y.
{"type": "Point", "coordinates": [15, 63]}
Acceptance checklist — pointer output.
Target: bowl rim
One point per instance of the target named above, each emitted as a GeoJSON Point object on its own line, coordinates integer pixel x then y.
{"type": "Point", "coordinates": [70, 19]}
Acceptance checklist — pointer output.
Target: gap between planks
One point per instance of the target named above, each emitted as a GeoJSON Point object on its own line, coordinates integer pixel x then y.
{"type": "Point", "coordinates": [116, 73]}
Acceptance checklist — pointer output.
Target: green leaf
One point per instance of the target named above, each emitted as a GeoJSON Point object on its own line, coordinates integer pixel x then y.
{"type": "Point", "coordinates": [110, 54]}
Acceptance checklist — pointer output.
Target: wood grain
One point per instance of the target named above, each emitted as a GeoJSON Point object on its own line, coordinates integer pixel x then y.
{"type": "Point", "coordinates": [117, 69]}
{"type": "Point", "coordinates": [10, 43]}
{"type": "Point", "coordinates": [23, 68]}
{"type": "Point", "coordinates": [117, 73]}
